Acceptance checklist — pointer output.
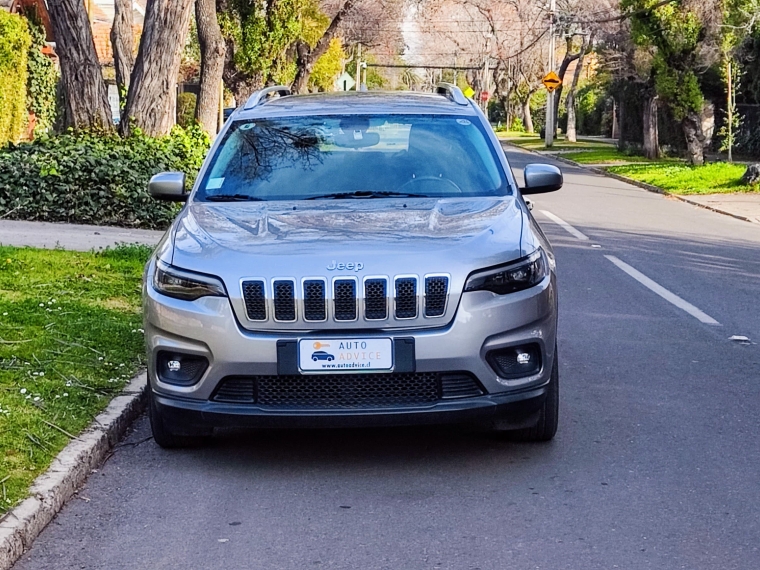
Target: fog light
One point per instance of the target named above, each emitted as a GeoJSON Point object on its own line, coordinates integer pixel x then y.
{"type": "Point", "coordinates": [180, 369]}
{"type": "Point", "coordinates": [516, 361]}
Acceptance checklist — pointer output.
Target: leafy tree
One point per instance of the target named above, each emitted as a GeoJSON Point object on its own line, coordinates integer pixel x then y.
{"type": "Point", "coordinates": [258, 36]}
{"type": "Point", "coordinates": [15, 41]}
{"type": "Point", "coordinates": [151, 101]}
{"type": "Point", "coordinates": [739, 18]}
{"type": "Point", "coordinates": [673, 34]}
{"type": "Point", "coordinates": [42, 80]}
{"type": "Point", "coordinates": [84, 91]}
{"type": "Point", "coordinates": [328, 67]}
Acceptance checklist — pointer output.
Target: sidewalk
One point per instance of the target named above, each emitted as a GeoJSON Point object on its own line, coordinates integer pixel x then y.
{"type": "Point", "coordinates": [71, 236]}
{"type": "Point", "coordinates": [745, 205]}
{"type": "Point", "coordinates": [742, 205]}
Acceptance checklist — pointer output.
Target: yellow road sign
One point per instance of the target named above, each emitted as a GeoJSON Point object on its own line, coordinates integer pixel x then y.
{"type": "Point", "coordinates": [551, 81]}
{"type": "Point", "coordinates": [469, 92]}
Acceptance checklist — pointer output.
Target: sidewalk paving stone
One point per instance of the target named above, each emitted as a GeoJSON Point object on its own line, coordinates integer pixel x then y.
{"type": "Point", "coordinates": [71, 236]}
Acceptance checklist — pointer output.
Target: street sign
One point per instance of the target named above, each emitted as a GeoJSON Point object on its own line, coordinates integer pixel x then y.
{"type": "Point", "coordinates": [484, 95]}
{"type": "Point", "coordinates": [469, 92]}
{"type": "Point", "coordinates": [551, 81]}
{"type": "Point", "coordinates": [345, 82]}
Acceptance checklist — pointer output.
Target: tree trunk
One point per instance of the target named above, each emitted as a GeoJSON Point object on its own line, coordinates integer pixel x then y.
{"type": "Point", "coordinates": [84, 91]}
{"type": "Point", "coordinates": [621, 124]}
{"type": "Point", "coordinates": [651, 135]}
{"type": "Point", "coordinates": [123, 42]}
{"type": "Point", "coordinates": [152, 100]}
{"type": "Point", "coordinates": [307, 56]}
{"type": "Point", "coordinates": [566, 61]}
{"type": "Point", "coordinates": [695, 138]}
{"type": "Point", "coordinates": [570, 134]}
{"type": "Point", "coordinates": [527, 117]}
{"type": "Point", "coordinates": [212, 65]}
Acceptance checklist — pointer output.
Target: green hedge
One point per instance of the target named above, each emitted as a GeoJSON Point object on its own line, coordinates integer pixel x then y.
{"type": "Point", "coordinates": [14, 46]}
{"type": "Point", "coordinates": [94, 179]}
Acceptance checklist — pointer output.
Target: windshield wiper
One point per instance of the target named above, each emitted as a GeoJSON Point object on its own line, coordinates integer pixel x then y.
{"type": "Point", "coordinates": [365, 194]}
{"type": "Point", "coordinates": [233, 198]}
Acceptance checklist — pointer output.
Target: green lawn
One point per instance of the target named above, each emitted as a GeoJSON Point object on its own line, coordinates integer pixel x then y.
{"type": "Point", "coordinates": [714, 178]}
{"type": "Point", "coordinates": [70, 339]}
{"type": "Point", "coordinates": [534, 142]}
{"type": "Point", "coordinates": [609, 155]}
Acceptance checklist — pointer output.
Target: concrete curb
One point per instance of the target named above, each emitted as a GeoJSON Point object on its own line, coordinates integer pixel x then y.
{"type": "Point", "coordinates": [68, 472]}
{"type": "Point", "coordinates": [642, 185]}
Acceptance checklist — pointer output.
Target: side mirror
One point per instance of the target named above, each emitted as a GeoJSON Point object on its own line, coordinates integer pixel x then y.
{"type": "Point", "coordinates": [168, 186]}
{"type": "Point", "coordinates": [540, 178]}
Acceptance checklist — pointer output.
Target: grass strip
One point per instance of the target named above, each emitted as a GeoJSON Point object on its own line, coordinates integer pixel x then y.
{"type": "Point", "coordinates": [603, 156]}
{"type": "Point", "coordinates": [713, 178]}
{"type": "Point", "coordinates": [70, 339]}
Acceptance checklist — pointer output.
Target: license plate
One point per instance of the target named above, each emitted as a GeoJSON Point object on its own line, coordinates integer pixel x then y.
{"type": "Point", "coordinates": [357, 354]}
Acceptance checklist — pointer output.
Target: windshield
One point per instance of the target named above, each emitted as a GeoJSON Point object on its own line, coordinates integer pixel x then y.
{"type": "Point", "coordinates": [353, 156]}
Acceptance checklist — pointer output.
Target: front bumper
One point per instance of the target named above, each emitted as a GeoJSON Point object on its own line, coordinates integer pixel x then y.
{"type": "Point", "coordinates": [483, 322]}
{"type": "Point", "coordinates": [513, 410]}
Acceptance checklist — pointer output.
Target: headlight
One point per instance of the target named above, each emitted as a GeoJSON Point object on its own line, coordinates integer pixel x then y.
{"type": "Point", "coordinates": [187, 285]}
{"type": "Point", "coordinates": [511, 277]}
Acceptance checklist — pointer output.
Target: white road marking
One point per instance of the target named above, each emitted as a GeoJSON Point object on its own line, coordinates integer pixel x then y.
{"type": "Point", "coordinates": [662, 292]}
{"type": "Point", "coordinates": [565, 226]}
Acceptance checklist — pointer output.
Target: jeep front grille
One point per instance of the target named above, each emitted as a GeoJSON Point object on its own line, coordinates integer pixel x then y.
{"type": "Point", "coordinates": [436, 293]}
{"type": "Point", "coordinates": [314, 302]}
{"type": "Point", "coordinates": [346, 299]}
{"type": "Point", "coordinates": [284, 301]}
{"type": "Point", "coordinates": [376, 299]}
{"type": "Point", "coordinates": [254, 295]}
{"type": "Point", "coordinates": [406, 297]}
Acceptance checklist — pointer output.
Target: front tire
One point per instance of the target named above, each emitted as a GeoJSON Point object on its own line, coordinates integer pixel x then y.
{"type": "Point", "coordinates": [167, 435]}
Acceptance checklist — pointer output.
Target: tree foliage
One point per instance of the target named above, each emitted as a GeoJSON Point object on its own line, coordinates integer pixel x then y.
{"type": "Point", "coordinates": [258, 35]}
{"type": "Point", "coordinates": [328, 67]}
{"type": "Point", "coordinates": [42, 81]}
{"type": "Point", "coordinates": [15, 41]}
{"type": "Point", "coordinates": [671, 33]}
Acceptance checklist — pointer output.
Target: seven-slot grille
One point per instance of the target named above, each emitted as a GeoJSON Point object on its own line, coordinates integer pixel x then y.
{"type": "Point", "coordinates": [383, 298]}
{"type": "Point", "coordinates": [406, 297]}
{"type": "Point", "coordinates": [436, 293]}
{"type": "Point", "coordinates": [314, 304]}
{"type": "Point", "coordinates": [284, 301]}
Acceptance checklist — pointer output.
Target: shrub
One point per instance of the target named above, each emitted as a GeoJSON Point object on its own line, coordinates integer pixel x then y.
{"type": "Point", "coordinates": [186, 109]}
{"type": "Point", "coordinates": [517, 125]}
{"type": "Point", "coordinates": [42, 81]}
{"type": "Point", "coordinates": [14, 46]}
{"type": "Point", "coordinates": [95, 179]}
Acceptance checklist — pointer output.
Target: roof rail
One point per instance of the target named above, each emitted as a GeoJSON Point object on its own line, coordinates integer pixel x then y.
{"type": "Point", "coordinates": [452, 92]}
{"type": "Point", "coordinates": [260, 95]}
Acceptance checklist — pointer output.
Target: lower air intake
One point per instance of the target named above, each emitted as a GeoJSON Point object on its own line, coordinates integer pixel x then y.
{"type": "Point", "coordinates": [346, 391]}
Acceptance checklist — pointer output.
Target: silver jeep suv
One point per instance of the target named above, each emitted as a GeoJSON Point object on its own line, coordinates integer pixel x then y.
{"type": "Point", "coordinates": [353, 260]}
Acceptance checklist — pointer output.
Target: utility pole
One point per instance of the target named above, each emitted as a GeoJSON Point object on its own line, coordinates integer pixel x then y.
{"type": "Point", "coordinates": [358, 67]}
{"type": "Point", "coordinates": [551, 128]}
{"type": "Point", "coordinates": [486, 79]}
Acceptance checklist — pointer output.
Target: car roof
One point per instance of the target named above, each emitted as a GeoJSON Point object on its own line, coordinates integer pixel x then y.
{"type": "Point", "coordinates": [357, 103]}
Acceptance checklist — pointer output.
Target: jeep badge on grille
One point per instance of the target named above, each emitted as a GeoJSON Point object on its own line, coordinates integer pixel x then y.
{"type": "Point", "coordinates": [357, 266]}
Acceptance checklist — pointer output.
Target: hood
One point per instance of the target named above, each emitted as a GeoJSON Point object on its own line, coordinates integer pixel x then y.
{"type": "Point", "coordinates": [334, 238]}
{"type": "Point", "coordinates": [207, 234]}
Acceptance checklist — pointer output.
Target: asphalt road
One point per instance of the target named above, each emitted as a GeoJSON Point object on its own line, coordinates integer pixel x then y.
{"type": "Point", "coordinates": [655, 464]}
